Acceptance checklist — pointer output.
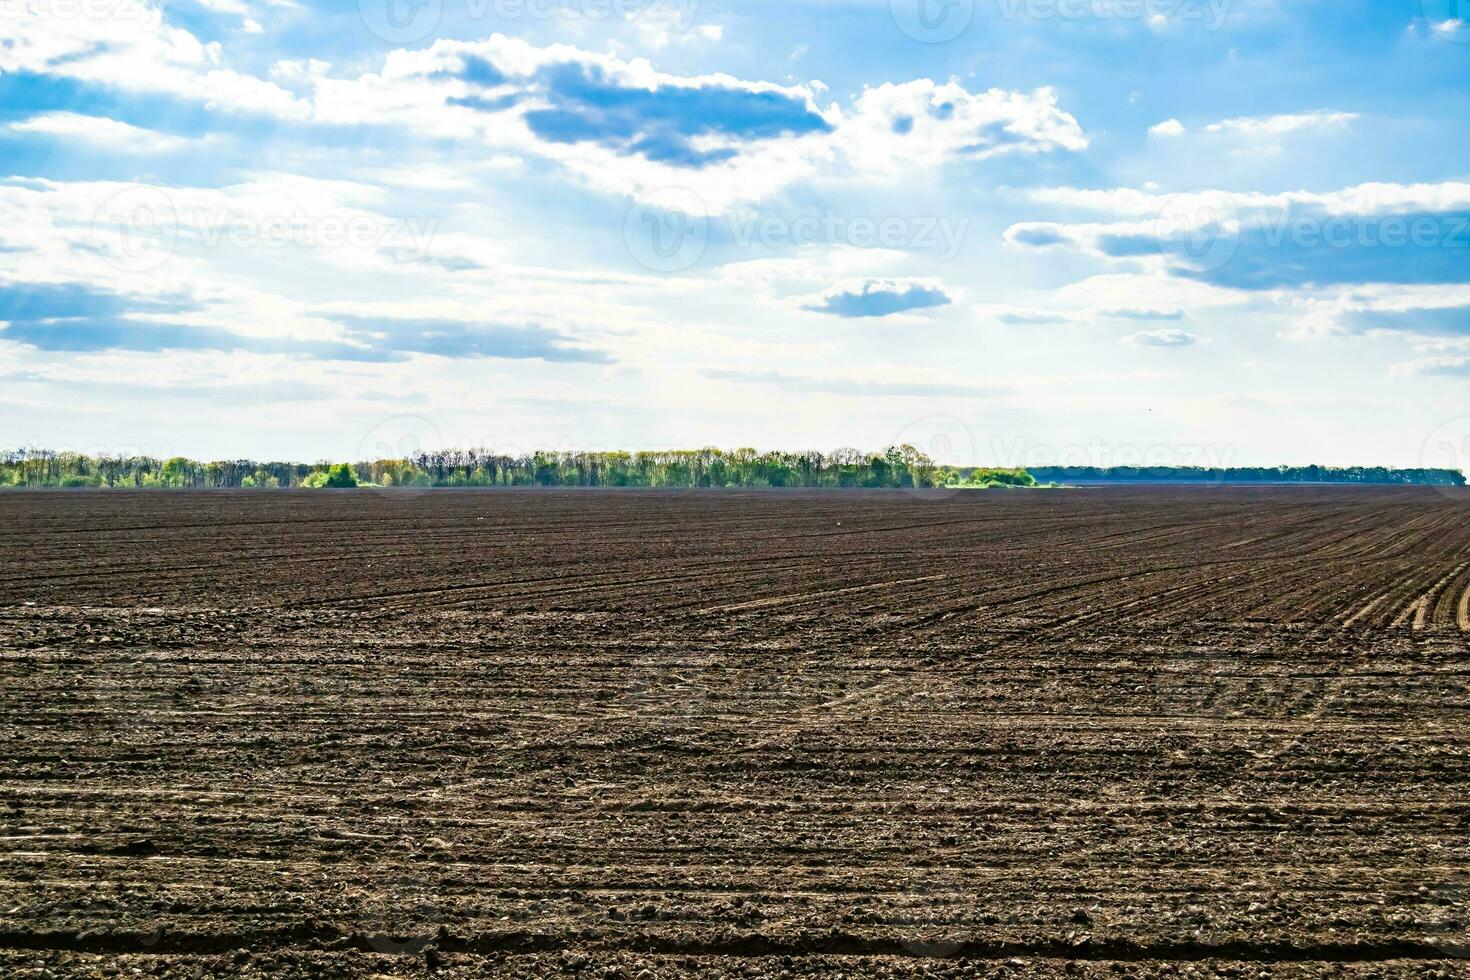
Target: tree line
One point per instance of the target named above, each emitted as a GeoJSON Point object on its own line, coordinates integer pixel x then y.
{"type": "Point", "coordinates": [1363, 475]}
{"type": "Point", "coordinates": [894, 467]}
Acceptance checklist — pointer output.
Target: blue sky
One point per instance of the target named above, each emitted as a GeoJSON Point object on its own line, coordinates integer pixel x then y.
{"type": "Point", "coordinates": [1226, 232]}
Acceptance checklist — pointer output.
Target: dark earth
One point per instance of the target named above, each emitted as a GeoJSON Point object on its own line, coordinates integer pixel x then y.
{"type": "Point", "coordinates": [1182, 732]}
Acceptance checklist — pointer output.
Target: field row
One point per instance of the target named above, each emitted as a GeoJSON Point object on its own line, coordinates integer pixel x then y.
{"type": "Point", "coordinates": [1049, 560]}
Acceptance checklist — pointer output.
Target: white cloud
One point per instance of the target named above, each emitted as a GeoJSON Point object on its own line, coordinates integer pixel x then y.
{"type": "Point", "coordinates": [894, 128]}
{"type": "Point", "coordinates": [1355, 310]}
{"type": "Point", "coordinates": [126, 44]}
{"type": "Point", "coordinates": [299, 69]}
{"type": "Point", "coordinates": [659, 26]}
{"type": "Point", "coordinates": [1164, 338]}
{"type": "Point", "coordinates": [1275, 246]}
{"type": "Point", "coordinates": [879, 298]}
{"type": "Point", "coordinates": [1254, 136]}
{"type": "Point", "coordinates": [812, 264]}
{"type": "Point", "coordinates": [1023, 316]}
{"type": "Point", "coordinates": [1141, 312]}
{"type": "Point", "coordinates": [1363, 199]}
{"type": "Point", "coordinates": [1443, 366]}
{"type": "Point", "coordinates": [1453, 28]}
{"type": "Point", "coordinates": [1275, 127]}
{"type": "Point", "coordinates": [890, 130]}
{"type": "Point", "coordinates": [100, 132]}
{"type": "Point", "coordinates": [133, 238]}
{"type": "Point", "coordinates": [413, 86]}
{"type": "Point", "coordinates": [780, 134]}
{"type": "Point", "coordinates": [1155, 289]}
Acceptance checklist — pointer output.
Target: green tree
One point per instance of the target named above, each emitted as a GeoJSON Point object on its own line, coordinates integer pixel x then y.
{"type": "Point", "coordinates": [340, 477]}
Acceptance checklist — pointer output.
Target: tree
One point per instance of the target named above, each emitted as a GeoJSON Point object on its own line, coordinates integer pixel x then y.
{"type": "Point", "coordinates": [340, 477]}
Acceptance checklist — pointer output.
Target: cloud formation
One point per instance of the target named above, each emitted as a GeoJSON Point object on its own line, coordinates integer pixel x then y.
{"type": "Point", "coordinates": [1163, 338]}
{"type": "Point", "coordinates": [1142, 313]}
{"type": "Point", "coordinates": [618, 124]}
{"type": "Point", "coordinates": [100, 131]}
{"type": "Point", "coordinates": [82, 319]}
{"type": "Point", "coordinates": [623, 126]}
{"type": "Point", "coordinates": [1261, 127]}
{"type": "Point", "coordinates": [1442, 320]}
{"type": "Point", "coordinates": [923, 123]}
{"type": "Point", "coordinates": [457, 338]}
{"type": "Point", "coordinates": [128, 44]}
{"type": "Point", "coordinates": [683, 125]}
{"type": "Point", "coordinates": [880, 297]}
{"type": "Point", "coordinates": [1371, 233]}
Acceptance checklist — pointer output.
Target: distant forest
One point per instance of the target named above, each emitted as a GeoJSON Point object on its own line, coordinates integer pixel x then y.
{"type": "Point", "coordinates": [1365, 475]}
{"type": "Point", "coordinates": [896, 467]}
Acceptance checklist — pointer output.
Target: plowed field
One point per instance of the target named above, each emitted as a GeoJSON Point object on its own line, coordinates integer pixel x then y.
{"type": "Point", "coordinates": [1175, 732]}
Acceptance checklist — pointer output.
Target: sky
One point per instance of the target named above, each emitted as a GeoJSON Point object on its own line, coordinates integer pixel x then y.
{"type": "Point", "coordinates": [1008, 232]}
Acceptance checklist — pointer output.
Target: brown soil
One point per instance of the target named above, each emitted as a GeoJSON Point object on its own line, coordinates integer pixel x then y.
{"type": "Point", "coordinates": [1176, 732]}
